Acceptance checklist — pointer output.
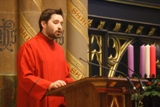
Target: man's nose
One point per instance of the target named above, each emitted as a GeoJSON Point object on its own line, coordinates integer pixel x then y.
{"type": "Point", "coordinates": [59, 26]}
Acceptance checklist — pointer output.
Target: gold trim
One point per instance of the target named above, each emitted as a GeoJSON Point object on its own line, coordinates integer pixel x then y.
{"type": "Point", "coordinates": [77, 69]}
{"type": "Point", "coordinates": [101, 25]}
{"type": "Point", "coordinates": [112, 84]}
{"type": "Point", "coordinates": [123, 20]}
{"type": "Point", "coordinates": [115, 100]}
{"type": "Point", "coordinates": [152, 31]}
{"type": "Point", "coordinates": [90, 22]}
{"type": "Point", "coordinates": [77, 16]}
{"type": "Point", "coordinates": [26, 30]}
{"type": "Point", "coordinates": [119, 49]}
{"type": "Point", "coordinates": [38, 3]}
{"type": "Point", "coordinates": [129, 28]}
{"type": "Point", "coordinates": [139, 30]}
{"type": "Point", "coordinates": [97, 53]}
{"type": "Point", "coordinates": [117, 27]}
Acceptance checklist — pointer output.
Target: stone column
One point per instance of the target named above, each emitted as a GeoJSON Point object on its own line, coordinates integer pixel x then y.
{"type": "Point", "coordinates": [77, 37]}
{"type": "Point", "coordinates": [29, 12]}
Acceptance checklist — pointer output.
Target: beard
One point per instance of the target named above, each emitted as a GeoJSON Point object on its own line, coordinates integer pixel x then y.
{"type": "Point", "coordinates": [55, 35]}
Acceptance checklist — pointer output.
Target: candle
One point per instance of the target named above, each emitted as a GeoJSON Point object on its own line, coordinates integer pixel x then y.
{"type": "Point", "coordinates": [130, 60]}
{"type": "Point", "coordinates": [142, 60]}
{"type": "Point", "coordinates": [147, 60]}
{"type": "Point", "coordinates": [152, 61]}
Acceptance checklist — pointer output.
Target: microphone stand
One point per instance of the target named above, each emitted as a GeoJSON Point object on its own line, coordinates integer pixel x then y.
{"type": "Point", "coordinates": [141, 83]}
{"type": "Point", "coordinates": [137, 95]}
{"type": "Point", "coordinates": [131, 83]}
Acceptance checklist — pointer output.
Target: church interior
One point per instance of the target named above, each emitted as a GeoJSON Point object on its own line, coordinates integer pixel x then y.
{"type": "Point", "coordinates": [103, 41]}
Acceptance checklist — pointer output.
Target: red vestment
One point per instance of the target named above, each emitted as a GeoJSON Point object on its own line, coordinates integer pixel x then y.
{"type": "Point", "coordinates": [40, 61]}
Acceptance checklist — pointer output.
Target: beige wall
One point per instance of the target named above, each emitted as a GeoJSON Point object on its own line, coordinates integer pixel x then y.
{"type": "Point", "coordinates": [8, 36]}
{"type": "Point", "coordinates": [9, 33]}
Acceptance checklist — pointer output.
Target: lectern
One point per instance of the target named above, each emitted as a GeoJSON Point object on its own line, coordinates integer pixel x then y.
{"type": "Point", "coordinates": [98, 92]}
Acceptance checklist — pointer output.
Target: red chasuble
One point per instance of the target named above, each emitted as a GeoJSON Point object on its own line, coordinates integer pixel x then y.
{"type": "Point", "coordinates": [40, 62]}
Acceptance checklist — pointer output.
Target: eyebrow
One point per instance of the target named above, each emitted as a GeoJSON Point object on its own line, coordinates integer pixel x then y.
{"type": "Point", "coordinates": [57, 20]}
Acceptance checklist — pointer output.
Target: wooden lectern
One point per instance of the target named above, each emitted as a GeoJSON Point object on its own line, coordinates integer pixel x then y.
{"type": "Point", "coordinates": [98, 92]}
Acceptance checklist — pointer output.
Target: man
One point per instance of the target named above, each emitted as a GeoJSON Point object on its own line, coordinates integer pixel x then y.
{"type": "Point", "coordinates": [41, 64]}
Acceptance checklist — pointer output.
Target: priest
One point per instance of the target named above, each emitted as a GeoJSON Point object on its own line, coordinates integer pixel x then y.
{"type": "Point", "coordinates": [42, 64]}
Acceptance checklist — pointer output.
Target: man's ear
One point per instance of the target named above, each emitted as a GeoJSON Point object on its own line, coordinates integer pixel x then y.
{"type": "Point", "coordinates": [43, 23]}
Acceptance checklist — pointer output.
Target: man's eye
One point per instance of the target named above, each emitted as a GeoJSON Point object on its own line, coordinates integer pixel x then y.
{"type": "Point", "coordinates": [58, 22]}
{"type": "Point", "coordinates": [55, 22]}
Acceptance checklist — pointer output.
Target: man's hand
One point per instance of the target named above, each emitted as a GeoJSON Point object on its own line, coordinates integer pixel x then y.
{"type": "Point", "coordinates": [56, 84]}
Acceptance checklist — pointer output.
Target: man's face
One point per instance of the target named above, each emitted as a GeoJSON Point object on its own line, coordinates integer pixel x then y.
{"type": "Point", "coordinates": [53, 28]}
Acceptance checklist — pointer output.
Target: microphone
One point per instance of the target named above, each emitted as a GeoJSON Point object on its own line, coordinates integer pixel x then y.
{"type": "Point", "coordinates": [141, 83]}
{"type": "Point", "coordinates": [131, 83]}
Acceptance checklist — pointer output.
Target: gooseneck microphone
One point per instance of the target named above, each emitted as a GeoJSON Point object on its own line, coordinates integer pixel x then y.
{"type": "Point", "coordinates": [131, 83]}
{"type": "Point", "coordinates": [141, 83]}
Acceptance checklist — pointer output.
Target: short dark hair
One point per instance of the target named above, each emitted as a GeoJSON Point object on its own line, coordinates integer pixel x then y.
{"type": "Point", "coordinates": [46, 15]}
